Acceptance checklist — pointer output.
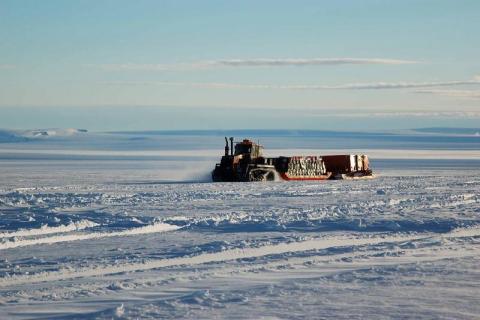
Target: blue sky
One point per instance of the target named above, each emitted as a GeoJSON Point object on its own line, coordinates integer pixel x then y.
{"type": "Point", "coordinates": [192, 64]}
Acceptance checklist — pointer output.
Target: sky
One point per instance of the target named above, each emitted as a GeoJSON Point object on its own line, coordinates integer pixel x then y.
{"type": "Point", "coordinates": [121, 65]}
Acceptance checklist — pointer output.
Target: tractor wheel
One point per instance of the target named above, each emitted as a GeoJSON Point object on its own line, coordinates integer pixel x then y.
{"type": "Point", "coordinates": [261, 175]}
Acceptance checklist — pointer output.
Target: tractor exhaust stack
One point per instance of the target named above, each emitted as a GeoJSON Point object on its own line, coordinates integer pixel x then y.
{"type": "Point", "coordinates": [227, 151]}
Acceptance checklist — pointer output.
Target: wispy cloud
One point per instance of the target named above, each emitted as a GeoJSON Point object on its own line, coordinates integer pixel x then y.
{"type": "Point", "coordinates": [306, 62]}
{"type": "Point", "coordinates": [402, 85]}
{"type": "Point", "coordinates": [272, 62]}
{"type": "Point", "coordinates": [467, 94]}
{"type": "Point", "coordinates": [147, 67]}
{"type": "Point", "coordinates": [427, 114]}
{"type": "Point", "coordinates": [352, 86]}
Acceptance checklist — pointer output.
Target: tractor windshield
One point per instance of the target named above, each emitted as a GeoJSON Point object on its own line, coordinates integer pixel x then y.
{"type": "Point", "coordinates": [242, 148]}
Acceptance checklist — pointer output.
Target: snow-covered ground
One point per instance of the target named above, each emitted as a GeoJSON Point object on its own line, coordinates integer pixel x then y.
{"type": "Point", "coordinates": [89, 235]}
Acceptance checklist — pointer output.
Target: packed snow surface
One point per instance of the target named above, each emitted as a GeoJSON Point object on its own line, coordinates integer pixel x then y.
{"type": "Point", "coordinates": [153, 238]}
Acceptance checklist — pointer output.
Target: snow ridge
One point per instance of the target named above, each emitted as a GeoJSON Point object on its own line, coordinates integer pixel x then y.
{"type": "Point", "coordinates": [234, 254]}
{"type": "Point", "coordinates": [154, 228]}
{"type": "Point", "coordinates": [45, 229]}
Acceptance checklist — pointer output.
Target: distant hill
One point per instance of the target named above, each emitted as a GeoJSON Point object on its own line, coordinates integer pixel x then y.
{"type": "Point", "coordinates": [456, 131]}
{"type": "Point", "coordinates": [27, 135]}
{"type": "Point", "coordinates": [11, 136]}
{"type": "Point", "coordinates": [252, 132]}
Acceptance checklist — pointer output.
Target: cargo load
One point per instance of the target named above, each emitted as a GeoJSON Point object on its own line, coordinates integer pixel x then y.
{"type": "Point", "coordinates": [245, 162]}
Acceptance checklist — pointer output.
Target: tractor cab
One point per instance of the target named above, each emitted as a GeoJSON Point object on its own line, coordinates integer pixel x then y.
{"type": "Point", "coordinates": [235, 165]}
{"type": "Point", "coordinates": [248, 147]}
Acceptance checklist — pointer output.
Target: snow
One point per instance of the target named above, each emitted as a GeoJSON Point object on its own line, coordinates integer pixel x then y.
{"type": "Point", "coordinates": [45, 229]}
{"type": "Point", "coordinates": [133, 237]}
{"type": "Point", "coordinates": [157, 227]}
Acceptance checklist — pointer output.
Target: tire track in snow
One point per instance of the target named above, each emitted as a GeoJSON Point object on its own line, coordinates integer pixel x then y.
{"type": "Point", "coordinates": [154, 228]}
{"type": "Point", "coordinates": [233, 254]}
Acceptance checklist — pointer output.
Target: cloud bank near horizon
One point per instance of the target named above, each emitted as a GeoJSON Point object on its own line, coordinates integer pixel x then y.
{"type": "Point", "coordinates": [350, 86]}
{"type": "Point", "coordinates": [467, 94]}
{"type": "Point", "coordinates": [259, 62]}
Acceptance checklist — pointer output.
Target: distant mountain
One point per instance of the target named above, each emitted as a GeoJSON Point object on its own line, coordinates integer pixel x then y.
{"type": "Point", "coordinates": [10, 136]}
{"type": "Point", "coordinates": [27, 135]}
{"type": "Point", "coordinates": [455, 131]}
{"type": "Point", "coordinates": [52, 132]}
{"type": "Point", "coordinates": [252, 132]}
